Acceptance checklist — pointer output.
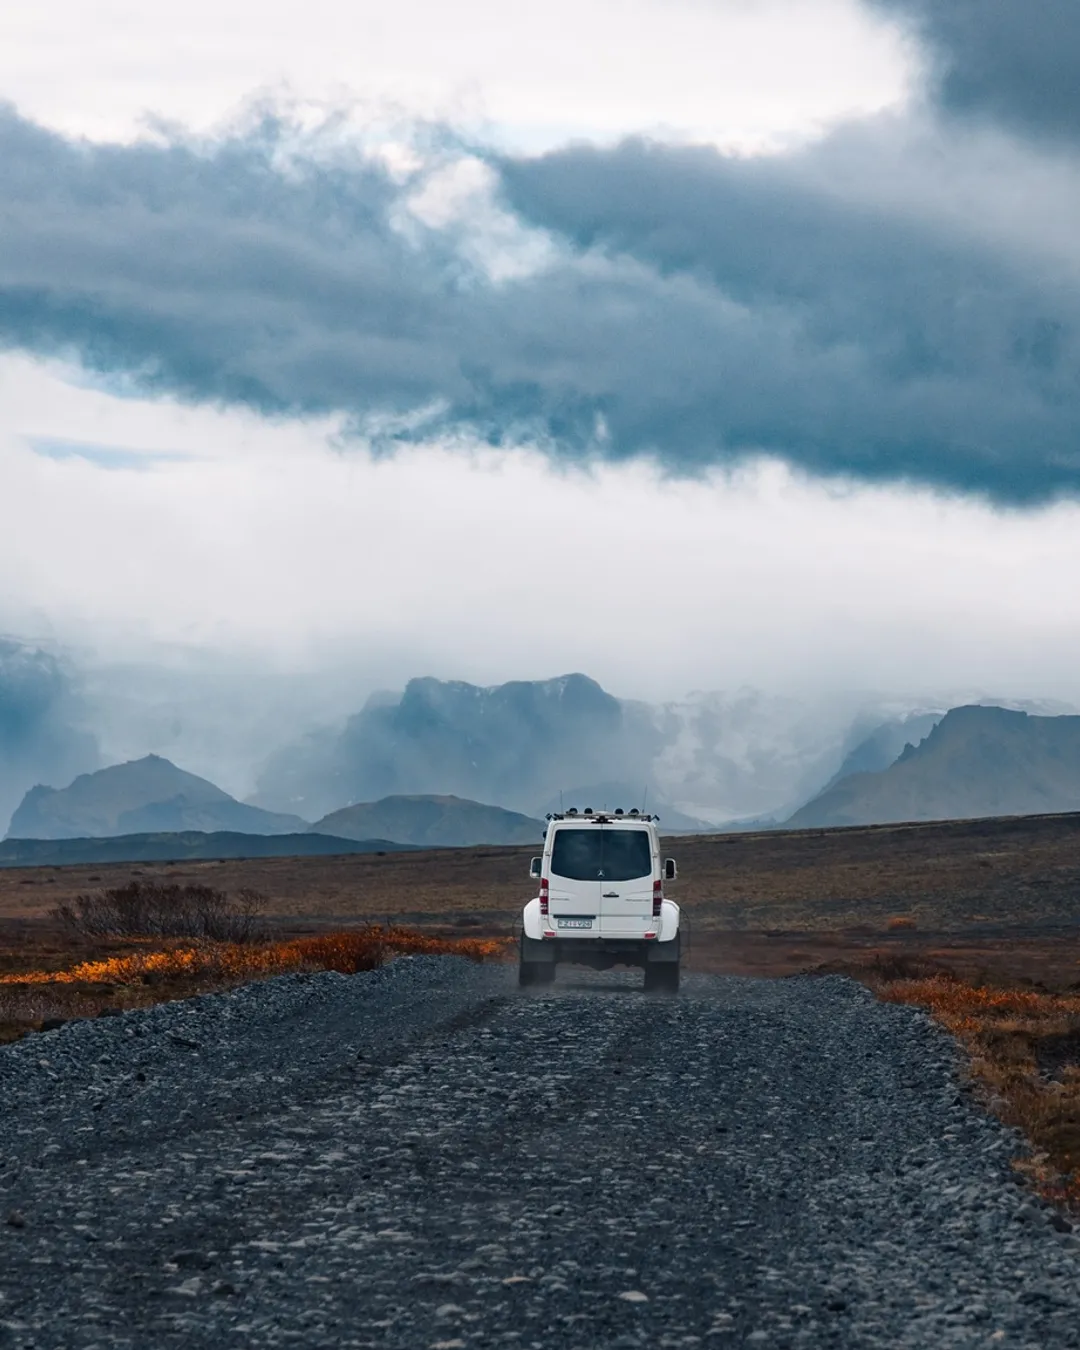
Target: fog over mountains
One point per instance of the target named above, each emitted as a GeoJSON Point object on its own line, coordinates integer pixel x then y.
{"type": "Point", "coordinates": [439, 748]}
{"type": "Point", "coordinates": [710, 758]}
{"type": "Point", "coordinates": [528, 744]}
{"type": "Point", "coordinates": [43, 732]}
{"type": "Point", "coordinates": [513, 744]}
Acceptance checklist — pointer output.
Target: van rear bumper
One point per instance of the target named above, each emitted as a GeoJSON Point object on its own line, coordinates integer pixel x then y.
{"type": "Point", "coordinates": [601, 952]}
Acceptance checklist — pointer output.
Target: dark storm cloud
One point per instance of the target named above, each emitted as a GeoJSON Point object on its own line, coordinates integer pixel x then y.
{"type": "Point", "coordinates": [1016, 61]}
{"type": "Point", "coordinates": [699, 308]}
{"type": "Point", "coordinates": [902, 350]}
{"type": "Point", "coordinates": [218, 276]}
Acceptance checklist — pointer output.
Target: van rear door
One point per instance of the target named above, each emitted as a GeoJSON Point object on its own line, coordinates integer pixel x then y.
{"type": "Point", "coordinates": [600, 881]}
{"type": "Point", "coordinates": [626, 892]}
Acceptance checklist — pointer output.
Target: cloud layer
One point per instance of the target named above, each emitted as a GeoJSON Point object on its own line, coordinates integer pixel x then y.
{"type": "Point", "coordinates": [689, 306]}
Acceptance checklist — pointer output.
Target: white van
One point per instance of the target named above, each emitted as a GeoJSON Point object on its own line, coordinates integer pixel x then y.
{"type": "Point", "coordinates": [601, 900]}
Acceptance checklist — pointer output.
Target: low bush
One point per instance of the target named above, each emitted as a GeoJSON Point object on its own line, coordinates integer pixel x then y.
{"type": "Point", "coordinates": [152, 909]}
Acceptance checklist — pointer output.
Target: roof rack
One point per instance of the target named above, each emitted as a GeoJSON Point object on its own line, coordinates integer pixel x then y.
{"type": "Point", "coordinates": [604, 817]}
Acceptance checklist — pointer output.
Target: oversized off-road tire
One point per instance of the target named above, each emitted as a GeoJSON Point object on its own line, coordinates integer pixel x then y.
{"type": "Point", "coordinates": [662, 978]}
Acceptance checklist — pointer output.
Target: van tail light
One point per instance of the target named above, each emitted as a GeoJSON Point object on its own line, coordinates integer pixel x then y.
{"type": "Point", "coordinates": [544, 895]}
{"type": "Point", "coordinates": [657, 897]}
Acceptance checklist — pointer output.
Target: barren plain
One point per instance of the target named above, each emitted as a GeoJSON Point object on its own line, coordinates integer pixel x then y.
{"type": "Point", "coordinates": [1001, 895]}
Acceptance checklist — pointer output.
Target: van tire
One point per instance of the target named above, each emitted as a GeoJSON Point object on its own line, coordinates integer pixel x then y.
{"type": "Point", "coordinates": [662, 978]}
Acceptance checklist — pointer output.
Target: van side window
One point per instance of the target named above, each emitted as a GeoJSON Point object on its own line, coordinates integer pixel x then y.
{"type": "Point", "coordinates": [597, 854]}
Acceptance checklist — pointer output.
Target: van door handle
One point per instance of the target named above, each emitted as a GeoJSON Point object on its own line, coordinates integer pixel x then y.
{"type": "Point", "coordinates": [610, 895]}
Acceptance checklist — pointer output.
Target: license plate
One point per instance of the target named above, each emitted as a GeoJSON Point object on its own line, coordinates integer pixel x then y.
{"type": "Point", "coordinates": [574, 923]}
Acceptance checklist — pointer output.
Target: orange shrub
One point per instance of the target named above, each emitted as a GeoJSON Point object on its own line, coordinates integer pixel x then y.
{"type": "Point", "coordinates": [958, 1004]}
{"type": "Point", "coordinates": [347, 952]}
{"type": "Point", "coordinates": [1006, 1033]}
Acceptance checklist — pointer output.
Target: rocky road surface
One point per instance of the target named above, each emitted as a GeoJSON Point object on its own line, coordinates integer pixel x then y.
{"type": "Point", "coordinates": [423, 1157]}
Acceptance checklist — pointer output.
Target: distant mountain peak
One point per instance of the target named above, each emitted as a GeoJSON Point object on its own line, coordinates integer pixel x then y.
{"type": "Point", "coordinates": [147, 795]}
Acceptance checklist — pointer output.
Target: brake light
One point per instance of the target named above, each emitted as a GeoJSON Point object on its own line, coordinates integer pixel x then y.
{"type": "Point", "coordinates": [657, 897]}
{"type": "Point", "coordinates": [543, 895]}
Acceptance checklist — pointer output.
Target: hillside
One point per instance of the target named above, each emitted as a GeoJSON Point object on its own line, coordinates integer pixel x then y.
{"type": "Point", "coordinates": [978, 761]}
{"type": "Point", "coordinates": [431, 821]}
{"type": "Point", "coordinates": [189, 846]}
{"type": "Point", "coordinates": [884, 745]}
{"type": "Point", "coordinates": [149, 795]}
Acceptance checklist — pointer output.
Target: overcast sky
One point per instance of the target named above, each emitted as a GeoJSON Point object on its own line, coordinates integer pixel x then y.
{"type": "Point", "coordinates": [688, 343]}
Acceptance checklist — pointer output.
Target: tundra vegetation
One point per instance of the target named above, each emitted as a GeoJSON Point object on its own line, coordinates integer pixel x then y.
{"type": "Point", "coordinates": [1023, 1046]}
{"type": "Point", "coordinates": [146, 942]}
{"type": "Point", "coordinates": [972, 920]}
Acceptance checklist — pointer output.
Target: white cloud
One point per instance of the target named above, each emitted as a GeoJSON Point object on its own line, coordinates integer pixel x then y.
{"type": "Point", "coordinates": [267, 545]}
{"type": "Point", "coordinates": [738, 71]}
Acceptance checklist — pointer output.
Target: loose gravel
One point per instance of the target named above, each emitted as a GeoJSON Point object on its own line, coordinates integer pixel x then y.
{"type": "Point", "coordinates": [422, 1157]}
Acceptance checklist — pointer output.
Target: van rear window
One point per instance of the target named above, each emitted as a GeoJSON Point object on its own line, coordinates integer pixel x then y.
{"type": "Point", "coordinates": [597, 854]}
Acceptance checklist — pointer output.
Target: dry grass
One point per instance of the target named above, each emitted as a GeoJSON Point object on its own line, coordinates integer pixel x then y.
{"type": "Point", "coordinates": [135, 978]}
{"type": "Point", "coordinates": [1024, 1047]}
{"type": "Point", "coordinates": [945, 876]}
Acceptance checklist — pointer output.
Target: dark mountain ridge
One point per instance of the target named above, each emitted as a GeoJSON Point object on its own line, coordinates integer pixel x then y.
{"type": "Point", "coordinates": [978, 761]}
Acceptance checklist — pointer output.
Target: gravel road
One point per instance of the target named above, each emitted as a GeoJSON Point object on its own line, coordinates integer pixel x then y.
{"type": "Point", "coordinates": [423, 1157]}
